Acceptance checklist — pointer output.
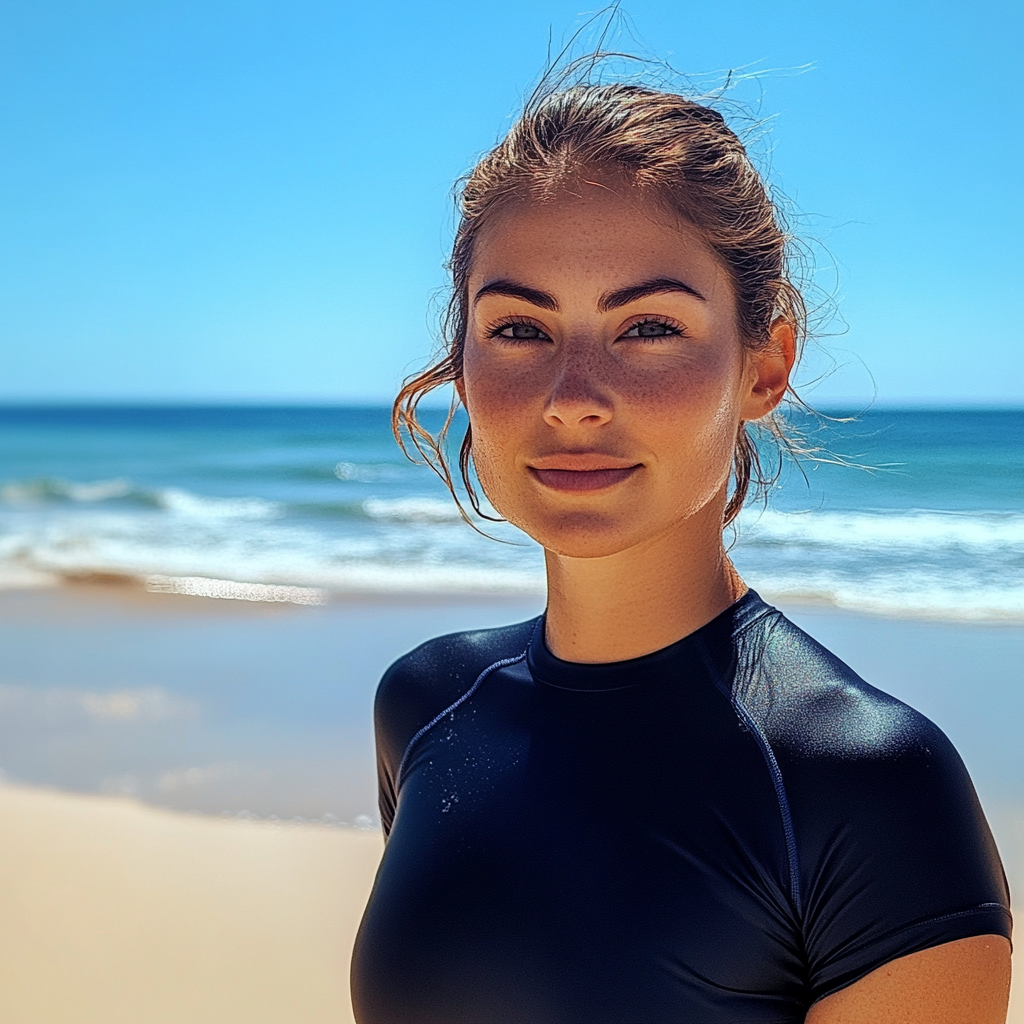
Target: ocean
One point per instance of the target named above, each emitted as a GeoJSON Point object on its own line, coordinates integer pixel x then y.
{"type": "Point", "coordinates": [903, 512]}
{"type": "Point", "coordinates": [342, 555]}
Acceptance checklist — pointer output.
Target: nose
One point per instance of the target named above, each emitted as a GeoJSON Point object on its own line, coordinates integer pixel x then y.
{"type": "Point", "coordinates": [578, 396]}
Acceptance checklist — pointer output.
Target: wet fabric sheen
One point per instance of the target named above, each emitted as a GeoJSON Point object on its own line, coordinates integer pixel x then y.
{"type": "Point", "coordinates": [723, 831]}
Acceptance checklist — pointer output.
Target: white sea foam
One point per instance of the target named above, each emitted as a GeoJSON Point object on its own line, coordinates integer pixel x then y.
{"type": "Point", "coordinates": [184, 503]}
{"type": "Point", "coordinates": [24, 705]}
{"type": "Point", "coordinates": [232, 590]}
{"type": "Point", "coordinates": [174, 779]}
{"type": "Point", "coordinates": [98, 490]}
{"type": "Point", "coordinates": [888, 598]}
{"type": "Point", "coordinates": [365, 473]}
{"type": "Point", "coordinates": [23, 492]}
{"type": "Point", "coordinates": [967, 565]}
{"type": "Point", "coordinates": [888, 529]}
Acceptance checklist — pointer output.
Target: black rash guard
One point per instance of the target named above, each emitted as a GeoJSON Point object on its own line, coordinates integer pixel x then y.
{"type": "Point", "coordinates": [723, 831]}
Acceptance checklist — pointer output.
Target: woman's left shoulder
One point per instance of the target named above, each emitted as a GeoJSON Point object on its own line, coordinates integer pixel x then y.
{"type": "Point", "coordinates": [810, 704]}
{"type": "Point", "coordinates": [888, 843]}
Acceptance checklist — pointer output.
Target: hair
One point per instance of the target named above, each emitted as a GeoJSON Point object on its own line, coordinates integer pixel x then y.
{"type": "Point", "coordinates": [680, 152]}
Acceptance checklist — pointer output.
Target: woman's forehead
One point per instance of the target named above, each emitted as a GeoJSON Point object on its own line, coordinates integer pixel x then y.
{"type": "Point", "coordinates": [590, 231]}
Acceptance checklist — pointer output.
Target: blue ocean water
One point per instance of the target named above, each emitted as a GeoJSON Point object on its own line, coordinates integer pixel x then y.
{"type": "Point", "coordinates": [913, 512]}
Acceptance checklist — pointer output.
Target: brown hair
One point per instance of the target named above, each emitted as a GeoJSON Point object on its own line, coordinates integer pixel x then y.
{"type": "Point", "coordinates": [687, 156]}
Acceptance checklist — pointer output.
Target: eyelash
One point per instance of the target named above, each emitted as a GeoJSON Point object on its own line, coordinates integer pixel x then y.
{"type": "Point", "coordinates": [675, 329]}
{"type": "Point", "coordinates": [494, 330]}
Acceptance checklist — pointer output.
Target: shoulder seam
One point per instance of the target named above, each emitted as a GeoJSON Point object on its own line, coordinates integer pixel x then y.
{"type": "Point", "coordinates": [502, 663]}
{"type": "Point", "coordinates": [774, 772]}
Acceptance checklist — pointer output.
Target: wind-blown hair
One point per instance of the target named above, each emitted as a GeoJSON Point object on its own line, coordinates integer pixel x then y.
{"type": "Point", "coordinates": [679, 152]}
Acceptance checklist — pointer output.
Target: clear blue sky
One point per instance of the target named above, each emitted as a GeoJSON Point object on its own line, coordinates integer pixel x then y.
{"type": "Point", "coordinates": [249, 199]}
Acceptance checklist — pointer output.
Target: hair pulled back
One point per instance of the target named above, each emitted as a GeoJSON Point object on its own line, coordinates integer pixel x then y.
{"type": "Point", "coordinates": [676, 150]}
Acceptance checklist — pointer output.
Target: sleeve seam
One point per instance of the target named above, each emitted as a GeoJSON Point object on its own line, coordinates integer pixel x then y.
{"type": "Point", "coordinates": [774, 772]}
{"type": "Point", "coordinates": [789, 833]}
{"type": "Point", "coordinates": [981, 908]}
{"type": "Point", "coordinates": [502, 663]}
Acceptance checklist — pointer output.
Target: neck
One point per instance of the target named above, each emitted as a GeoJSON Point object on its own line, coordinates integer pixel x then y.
{"type": "Point", "coordinates": [639, 600]}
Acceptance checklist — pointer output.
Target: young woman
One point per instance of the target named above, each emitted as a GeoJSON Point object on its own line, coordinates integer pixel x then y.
{"type": "Point", "coordinates": [660, 801]}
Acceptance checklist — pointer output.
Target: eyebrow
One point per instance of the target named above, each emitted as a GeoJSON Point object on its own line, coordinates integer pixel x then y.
{"type": "Point", "coordinates": [518, 291]}
{"type": "Point", "coordinates": [607, 302]}
{"type": "Point", "coordinates": [656, 286]}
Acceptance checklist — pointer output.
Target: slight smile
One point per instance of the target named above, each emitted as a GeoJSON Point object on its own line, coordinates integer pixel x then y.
{"type": "Point", "coordinates": [573, 480]}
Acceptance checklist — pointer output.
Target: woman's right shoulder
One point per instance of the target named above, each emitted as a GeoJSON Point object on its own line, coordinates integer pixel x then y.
{"type": "Point", "coordinates": [422, 684]}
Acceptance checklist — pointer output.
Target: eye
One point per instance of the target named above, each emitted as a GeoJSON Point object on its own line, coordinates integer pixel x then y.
{"type": "Point", "coordinates": [653, 329]}
{"type": "Point", "coordinates": [518, 330]}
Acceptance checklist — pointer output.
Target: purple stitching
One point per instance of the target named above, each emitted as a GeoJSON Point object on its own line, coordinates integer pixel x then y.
{"type": "Point", "coordinates": [774, 772]}
{"type": "Point", "coordinates": [504, 663]}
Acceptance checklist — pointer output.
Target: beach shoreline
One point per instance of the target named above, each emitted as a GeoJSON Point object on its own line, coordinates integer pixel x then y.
{"type": "Point", "coordinates": [153, 593]}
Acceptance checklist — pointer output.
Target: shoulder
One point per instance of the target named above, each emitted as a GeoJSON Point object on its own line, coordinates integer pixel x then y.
{"type": "Point", "coordinates": [423, 683]}
{"type": "Point", "coordinates": [890, 846]}
{"type": "Point", "coordinates": [810, 704]}
{"type": "Point", "coordinates": [849, 754]}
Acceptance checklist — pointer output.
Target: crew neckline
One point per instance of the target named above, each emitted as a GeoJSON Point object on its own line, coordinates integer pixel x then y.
{"type": "Point", "coordinates": [663, 665]}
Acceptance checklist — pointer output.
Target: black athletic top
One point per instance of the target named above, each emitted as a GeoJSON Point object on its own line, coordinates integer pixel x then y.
{"type": "Point", "coordinates": [723, 831]}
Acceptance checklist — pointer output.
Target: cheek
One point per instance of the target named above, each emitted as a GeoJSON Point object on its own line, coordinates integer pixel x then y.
{"type": "Point", "coordinates": [688, 418]}
{"type": "Point", "coordinates": [497, 404]}
{"type": "Point", "coordinates": [702, 390]}
{"type": "Point", "coordinates": [493, 394]}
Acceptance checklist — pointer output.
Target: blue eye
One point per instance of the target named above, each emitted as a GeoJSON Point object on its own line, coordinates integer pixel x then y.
{"type": "Point", "coordinates": [521, 332]}
{"type": "Point", "coordinates": [651, 329]}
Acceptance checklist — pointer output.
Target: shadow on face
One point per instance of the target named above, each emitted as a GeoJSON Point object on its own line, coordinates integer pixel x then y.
{"type": "Point", "coordinates": [604, 373]}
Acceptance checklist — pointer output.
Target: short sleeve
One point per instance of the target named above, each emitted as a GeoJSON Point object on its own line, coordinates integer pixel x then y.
{"type": "Point", "coordinates": [889, 849]}
{"type": "Point", "coordinates": [894, 852]}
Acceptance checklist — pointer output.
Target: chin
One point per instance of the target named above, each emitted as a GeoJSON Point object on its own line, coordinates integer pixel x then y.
{"type": "Point", "coordinates": [580, 534]}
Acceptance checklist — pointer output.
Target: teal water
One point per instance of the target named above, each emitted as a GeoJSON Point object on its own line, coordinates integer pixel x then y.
{"type": "Point", "coordinates": [266, 708]}
{"type": "Point", "coordinates": [322, 498]}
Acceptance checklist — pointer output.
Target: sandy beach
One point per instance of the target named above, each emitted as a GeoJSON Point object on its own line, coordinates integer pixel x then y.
{"type": "Point", "coordinates": [202, 909]}
{"type": "Point", "coordinates": [117, 913]}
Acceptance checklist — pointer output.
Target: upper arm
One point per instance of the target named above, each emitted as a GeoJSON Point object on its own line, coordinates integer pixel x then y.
{"type": "Point", "coordinates": [412, 691]}
{"type": "Point", "coordinates": [961, 982]}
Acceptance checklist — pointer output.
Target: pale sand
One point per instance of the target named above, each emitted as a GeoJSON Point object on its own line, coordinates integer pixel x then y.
{"type": "Point", "coordinates": [114, 912]}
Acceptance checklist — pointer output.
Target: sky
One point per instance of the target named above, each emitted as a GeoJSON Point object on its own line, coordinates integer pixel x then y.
{"type": "Point", "coordinates": [250, 200]}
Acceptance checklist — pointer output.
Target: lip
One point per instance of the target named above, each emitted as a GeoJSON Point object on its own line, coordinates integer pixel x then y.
{"type": "Point", "coordinates": [573, 472]}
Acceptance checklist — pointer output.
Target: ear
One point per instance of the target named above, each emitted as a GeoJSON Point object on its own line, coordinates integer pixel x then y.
{"type": "Point", "coordinates": [768, 370]}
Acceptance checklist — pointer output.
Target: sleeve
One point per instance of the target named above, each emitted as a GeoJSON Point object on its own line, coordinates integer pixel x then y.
{"type": "Point", "coordinates": [410, 693]}
{"type": "Point", "coordinates": [405, 701]}
{"type": "Point", "coordinates": [387, 795]}
{"type": "Point", "coordinates": [894, 852]}
{"type": "Point", "coordinates": [420, 685]}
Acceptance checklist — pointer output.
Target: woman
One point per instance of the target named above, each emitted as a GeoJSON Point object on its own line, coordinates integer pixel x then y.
{"type": "Point", "coordinates": [660, 801]}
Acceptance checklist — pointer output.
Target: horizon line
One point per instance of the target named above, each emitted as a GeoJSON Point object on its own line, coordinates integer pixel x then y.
{"type": "Point", "coordinates": [843, 404]}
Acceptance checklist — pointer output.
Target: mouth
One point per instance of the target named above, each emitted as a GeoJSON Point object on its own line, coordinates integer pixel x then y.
{"type": "Point", "coordinates": [574, 480]}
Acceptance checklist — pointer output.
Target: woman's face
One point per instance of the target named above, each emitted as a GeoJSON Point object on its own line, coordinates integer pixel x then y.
{"type": "Point", "coordinates": [604, 375]}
